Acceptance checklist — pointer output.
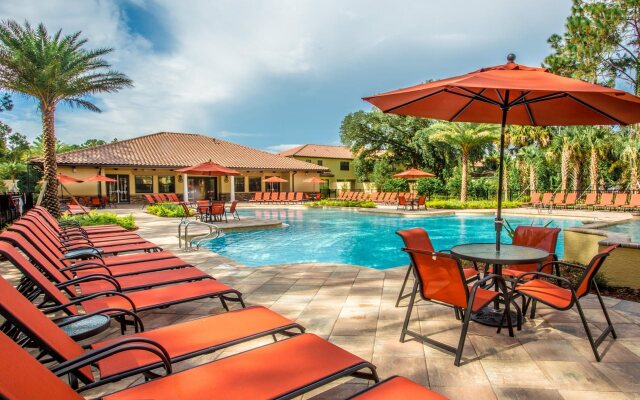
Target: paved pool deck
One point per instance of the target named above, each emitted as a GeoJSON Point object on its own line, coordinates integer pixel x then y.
{"type": "Point", "coordinates": [354, 307]}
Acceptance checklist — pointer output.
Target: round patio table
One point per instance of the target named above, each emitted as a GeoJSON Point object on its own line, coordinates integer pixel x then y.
{"type": "Point", "coordinates": [84, 328]}
{"type": "Point", "coordinates": [487, 254]}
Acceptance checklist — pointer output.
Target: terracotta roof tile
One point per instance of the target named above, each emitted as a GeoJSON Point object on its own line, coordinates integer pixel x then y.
{"type": "Point", "coordinates": [319, 151]}
{"type": "Point", "coordinates": [170, 149]}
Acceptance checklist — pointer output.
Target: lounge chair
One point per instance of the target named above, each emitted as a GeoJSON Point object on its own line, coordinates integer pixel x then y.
{"type": "Point", "coordinates": [605, 201]}
{"type": "Point", "coordinates": [418, 238]}
{"type": "Point", "coordinates": [54, 300]}
{"type": "Point", "coordinates": [73, 224]}
{"type": "Point", "coordinates": [177, 342]}
{"type": "Point", "coordinates": [158, 198]}
{"type": "Point", "coordinates": [385, 199]}
{"type": "Point", "coordinates": [589, 201]}
{"type": "Point", "coordinates": [558, 198]}
{"type": "Point", "coordinates": [69, 237]}
{"type": "Point", "coordinates": [291, 197]}
{"type": "Point", "coordinates": [440, 277]}
{"type": "Point", "coordinates": [570, 200]}
{"type": "Point", "coordinates": [173, 198]}
{"type": "Point", "coordinates": [282, 198]}
{"type": "Point", "coordinates": [566, 294]}
{"type": "Point", "coordinates": [634, 202]}
{"type": "Point", "coordinates": [374, 197]}
{"type": "Point", "coordinates": [620, 202]}
{"type": "Point", "coordinates": [546, 201]}
{"type": "Point", "coordinates": [534, 201]}
{"type": "Point", "coordinates": [257, 197]}
{"type": "Point", "coordinates": [397, 387]}
{"type": "Point", "coordinates": [233, 210]}
{"type": "Point", "coordinates": [393, 198]}
{"type": "Point", "coordinates": [283, 370]}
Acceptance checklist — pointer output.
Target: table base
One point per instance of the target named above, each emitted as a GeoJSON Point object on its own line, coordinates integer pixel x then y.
{"type": "Point", "coordinates": [491, 317]}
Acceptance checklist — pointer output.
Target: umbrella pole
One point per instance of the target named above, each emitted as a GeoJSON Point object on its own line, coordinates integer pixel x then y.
{"type": "Point", "coordinates": [498, 221]}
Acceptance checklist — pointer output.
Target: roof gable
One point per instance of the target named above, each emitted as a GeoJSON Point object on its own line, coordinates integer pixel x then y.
{"type": "Point", "coordinates": [319, 151]}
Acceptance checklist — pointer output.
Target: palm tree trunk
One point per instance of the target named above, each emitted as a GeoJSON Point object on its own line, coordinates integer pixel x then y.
{"type": "Point", "coordinates": [532, 178]}
{"type": "Point", "coordinates": [576, 176]}
{"type": "Point", "coordinates": [593, 170]}
{"type": "Point", "coordinates": [634, 182]}
{"type": "Point", "coordinates": [564, 168]}
{"type": "Point", "coordinates": [463, 184]}
{"type": "Point", "coordinates": [50, 201]}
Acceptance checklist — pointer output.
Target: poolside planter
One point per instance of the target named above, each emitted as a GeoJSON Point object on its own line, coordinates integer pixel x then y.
{"type": "Point", "coordinates": [622, 268]}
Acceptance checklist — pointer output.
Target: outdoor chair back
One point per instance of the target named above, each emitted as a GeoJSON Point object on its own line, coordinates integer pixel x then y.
{"type": "Point", "coordinates": [257, 196]}
{"type": "Point", "coordinates": [535, 198]}
{"type": "Point", "coordinates": [402, 202]}
{"type": "Point", "coordinates": [634, 202]}
{"type": "Point", "coordinates": [546, 199]}
{"type": "Point", "coordinates": [542, 238]}
{"type": "Point", "coordinates": [605, 200]}
{"type": "Point", "coordinates": [393, 197]}
{"type": "Point", "coordinates": [620, 201]}
{"type": "Point", "coordinates": [421, 201]}
{"type": "Point", "coordinates": [232, 208]}
{"type": "Point", "coordinates": [291, 197]}
{"type": "Point", "coordinates": [282, 197]}
{"type": "Point", "coordinates": [571, 199]}
{"type": "Point", "coordinates": [95, 202]}
{"type": "Point", "coordinates": [558, 198]}
{"type": "Point", "coordinates": [150, 199]}
{"type": "Point", "coordinates": [590, 200]}
{"type": "Point", "coordinates": [299, 196]}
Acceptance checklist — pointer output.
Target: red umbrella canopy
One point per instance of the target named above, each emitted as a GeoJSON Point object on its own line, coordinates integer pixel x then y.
{"type": "Point", "coordinates": [275, 179]}
{"type": "Point", "coordinates": [414, 173]}
{"type": "Point", "coordinates": [313, 179]}
{"type": "Point", "coordinates": [528, 95]}
{"type": "Point", "coordinates": [209, 168]}
{"type": "Point", "coordinates": [63, 179]}
{"type": "Point", "coordinates": [99, 178]}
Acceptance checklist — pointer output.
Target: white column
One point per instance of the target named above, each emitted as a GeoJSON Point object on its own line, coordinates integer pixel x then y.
{"type": "Point", "coordinates": [185, 182]}
{"type": "Point", "coordinates": [232, 181]}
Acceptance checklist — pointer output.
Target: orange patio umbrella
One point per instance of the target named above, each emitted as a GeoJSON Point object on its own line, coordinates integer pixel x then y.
{"type": "Point", "coordinates": [275, 179]}
{"type": "Point", "coordinates": [512, 94]}
{"type": "Point", "coordinates": [413, 173]}
{"type": "Point", "coordinates": [313, 180]}
{"type": "Point", "coordinates": [63, 180]}
{"type": "Point", "coordinates": [208, 168]}
{"type": "Point", "coordinates": [99, 178]}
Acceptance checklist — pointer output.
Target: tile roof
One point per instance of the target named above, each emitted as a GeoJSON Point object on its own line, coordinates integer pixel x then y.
{"type": "Point", "coordinates": [171, 149]}
{"type": "Point", "coordinates": [319, 151]}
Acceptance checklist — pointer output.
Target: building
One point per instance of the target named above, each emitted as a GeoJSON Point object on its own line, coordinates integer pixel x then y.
{"type": "Point", "coordinates": [338, 159]}
{"type": "Point", "coordinates": [147, 164]}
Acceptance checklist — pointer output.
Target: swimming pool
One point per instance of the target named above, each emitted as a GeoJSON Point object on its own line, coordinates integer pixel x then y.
{"type": "Point", "coordinates": [350, 237]}
{"type": "Point", "coordinates": [629, 228]}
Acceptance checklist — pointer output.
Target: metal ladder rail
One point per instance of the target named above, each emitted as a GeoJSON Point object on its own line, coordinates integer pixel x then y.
{"type": "Point", "coordinates": [214, 233]}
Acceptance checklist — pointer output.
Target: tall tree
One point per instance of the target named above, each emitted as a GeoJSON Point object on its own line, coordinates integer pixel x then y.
{"type": "Point", "coordinates": [529, 154]}
{"type": "Point", "coordinates": [53, 69]}
{"type": "Point", "coordinates": [628, 148]}
{"type": "Point", "coordinates": [466, 137]}
{"type": "Point", "coordinates": [598, 142]}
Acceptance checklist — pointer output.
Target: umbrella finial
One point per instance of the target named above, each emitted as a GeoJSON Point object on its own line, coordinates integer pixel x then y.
{"type": "Point", "coordinates": [511, 58]}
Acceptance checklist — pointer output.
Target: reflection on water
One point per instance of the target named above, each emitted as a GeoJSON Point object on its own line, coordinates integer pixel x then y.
{"type": "Point", "coordinates": [349, 237]}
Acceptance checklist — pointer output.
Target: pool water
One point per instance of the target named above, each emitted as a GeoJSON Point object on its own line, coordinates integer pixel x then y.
{"type": "Point", "coordinates": [350, 237]}
{"type": "Point", "coordinates": [630, 228]}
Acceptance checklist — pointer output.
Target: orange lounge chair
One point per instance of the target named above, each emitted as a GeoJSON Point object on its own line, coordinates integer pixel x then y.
{"type": "Point", "coordinates": [150, 200]}
{"type": "Point", "coordinates": [173, 197]}
{"type": "Point", "coordinates": [282, 198]}
{"type": "Point", "coordinates": [283, 370]}
{"type": "Point", "coordinates": [299, 197]}
{"type": "Point", "coordinates": [72, 225]}
{"type": "Point", "coordinates": [566, 294]}
{"type": "Point", "coordinates": [535, 200]}
{"type": "Point", "coordinates": [120, 303]}
{"type": "Point", "coordinates": [291, 197]}
{"type": "Point", "coordinates": [634, 202]}
{"type": "Point", "coordinates": [257, 197]}
{"type": "Point", "coordinates": [546, 200]}
{"type": "Point", "coordinates": [385, 198]}
{"type": "Point", "coordinates": [589, 201]}
{"type": "Point", "coordinates": [558, 199]}
{"type": "Point", "coordinates": [374, 197]}
{"type": "Point", "coordinates": [397, 387]}
{"type": "Point", "coordinates": [176, 342]}
{"type": "Point", "coordinates": [69, 236]}
{"type": "Point", "coordinates": [605, 201]}
{"type": "Point", "coordinates": [393, 198]}
{"type": "Point", "coordinates": [620, 202]}
{"type": "Point", "coordinates": [570, 200]}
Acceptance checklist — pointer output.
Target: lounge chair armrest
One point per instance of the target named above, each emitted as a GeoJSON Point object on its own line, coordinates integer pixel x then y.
{"type": "Point", "coordinates": [68, 236]}
{"type": "Point", "coordinates": [139, 325]}
{"type": "Point", "coordinates": [80, 299]}
{"type": "Point", "coordinates": [127, 344]}
{"type": "Point", "coordinates": [91, 278]}
{"type": "Point", "coordinates": [486, 278]}
{"type": "Point", "coordinates": [87, 266]}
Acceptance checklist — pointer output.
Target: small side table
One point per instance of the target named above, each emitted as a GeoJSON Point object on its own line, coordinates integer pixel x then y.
{"type": "Point", "coordinates": [487, 254]}
{"type": "Point", "coordinates": [85, 327]}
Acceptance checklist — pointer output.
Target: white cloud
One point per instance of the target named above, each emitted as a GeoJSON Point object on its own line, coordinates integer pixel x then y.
{"type": "Point", "coordinates": [228, 52]}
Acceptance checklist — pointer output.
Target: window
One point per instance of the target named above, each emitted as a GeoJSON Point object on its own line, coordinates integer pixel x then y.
{"type": "Point", "coordinates": [320, 162]}
{"type": "Point", "coordinates": [255, 184]}
{"type": "Point", "coordinates": [239, 184]}
{"type": "Point", "coordinates": [166, 184]}
{"type": "Point", "coordinates": [144, 184]}
{"type": "Point", "coordinates": [344, 165]}
{"type": "Point", "coordinates": [309, 161]}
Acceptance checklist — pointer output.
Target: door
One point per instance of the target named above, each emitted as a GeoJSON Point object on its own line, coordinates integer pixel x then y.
{"type": "Point", "coordinates": [118, 192]}
{"type": "Point", "coordinates": [203, 188]}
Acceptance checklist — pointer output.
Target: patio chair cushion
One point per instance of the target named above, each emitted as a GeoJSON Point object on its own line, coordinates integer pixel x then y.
{"type": "Point", "coordinates": [546, 292]}
{"type": "Point", "coordinates": [483, 297]}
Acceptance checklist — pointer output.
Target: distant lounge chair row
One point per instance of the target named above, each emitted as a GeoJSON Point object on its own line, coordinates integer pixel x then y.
{"type": "Point", "coordinates": [376, 197]}
{"type": "Point", "coordinates": [158, 198]}
{"type": "Point", "coordinates": [57, 279]}
{"type": "Point", "coordinates": [278, 197]}
{"type": "Point", "coordinates": [622, 202]}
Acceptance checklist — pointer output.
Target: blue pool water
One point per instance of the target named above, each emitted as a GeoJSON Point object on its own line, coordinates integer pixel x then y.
{"type": "Point", "coordinates": [630, 228]}
{"type": "Point", "coordinates": [349, 237]}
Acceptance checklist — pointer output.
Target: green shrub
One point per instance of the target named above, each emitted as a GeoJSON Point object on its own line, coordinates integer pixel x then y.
{"type": "Point", "coordinates": [473, 204]}
{"type": "Point", "coordinates": [167, 210]}
{"type": "Point", "coordinates": [395, 185]}
{"type": "Point", "coordinates": [102, 218]}
{"type": "Point", "coordinates": [341, 203]}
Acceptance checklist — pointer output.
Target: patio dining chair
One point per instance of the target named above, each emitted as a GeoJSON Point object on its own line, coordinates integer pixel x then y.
{"type": "Point", "coordinates": [217, 211]}
{"type": "Point", "coordinates": [418, 238]}
{"type": "Point", "coordinates": [440, 278]}
{"type": "Point", "coordinates": [564, 295]}
{"type": "Point", "coordinates": [421, 202]}
{"type": "Point", "coordinates": [402, 202]}
{"type": "Point", "coordinates": [234, 211]}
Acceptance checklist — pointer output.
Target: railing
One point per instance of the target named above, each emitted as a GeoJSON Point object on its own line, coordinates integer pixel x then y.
{"type": "Point", "coordinates": [214, 233]}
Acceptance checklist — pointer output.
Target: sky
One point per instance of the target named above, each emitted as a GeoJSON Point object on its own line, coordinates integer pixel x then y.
{"type": "Point", "coordinates": [272, 74]}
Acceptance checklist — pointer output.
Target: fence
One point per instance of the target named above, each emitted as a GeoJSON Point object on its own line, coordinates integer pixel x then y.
{"type": "Point", "coordinates": [13, 205]}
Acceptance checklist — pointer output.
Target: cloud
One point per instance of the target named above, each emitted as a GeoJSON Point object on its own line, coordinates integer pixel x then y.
{"type": "Point", "coordinates": [277, 148]}
{"type": "Point", "coordinates": [289, 69]}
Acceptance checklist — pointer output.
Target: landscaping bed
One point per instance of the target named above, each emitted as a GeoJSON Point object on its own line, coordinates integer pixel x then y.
{"type": "Point", "coordinates": [102, 218]}
{"type": "Point", "coordinates": [167, 210]}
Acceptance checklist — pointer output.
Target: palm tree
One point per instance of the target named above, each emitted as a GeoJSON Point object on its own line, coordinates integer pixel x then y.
{"type": "Point", "coordinates": [598, 141]}
{"type": "Point", "coordinates": [529, 155]}
{"type": "Point", "coordinates": [466, 137]}
{"type": "Point", "coordinates": [628, 147]}
{"type": "Point", "coordinates": [53, 69]}
{"type": "Point", "coordinates": [565, 144]}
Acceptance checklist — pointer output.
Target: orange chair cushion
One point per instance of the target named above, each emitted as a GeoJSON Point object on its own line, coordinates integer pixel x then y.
{"type": "Point", "coordinates": [399, 388]}
{"type": "Point", "coordinates": [483, 297]}
{"type": "Point", "coordinates": [547, 293]}
{"type": "Point", "coordinates": [264, 373]}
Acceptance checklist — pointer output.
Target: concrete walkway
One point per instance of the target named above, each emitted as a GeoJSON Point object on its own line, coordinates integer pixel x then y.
{"type": "Point", "coordinates": [354, 307]}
